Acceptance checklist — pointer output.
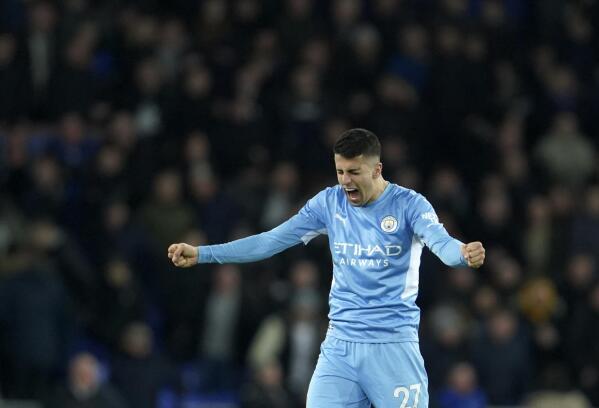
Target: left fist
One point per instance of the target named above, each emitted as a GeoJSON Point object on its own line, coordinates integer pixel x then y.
{"type": "Point", "coordinates": [474, 254]}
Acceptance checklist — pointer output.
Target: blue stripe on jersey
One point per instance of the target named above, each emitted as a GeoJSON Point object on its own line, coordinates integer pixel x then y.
{"type": "Point", "coordinates": [375, 252]}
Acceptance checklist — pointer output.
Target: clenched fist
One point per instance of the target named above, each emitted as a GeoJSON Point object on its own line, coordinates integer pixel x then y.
{"type": "Point", "coordinates": [474, 253]}
{"type": "Point", "coordinates": [183, 255]}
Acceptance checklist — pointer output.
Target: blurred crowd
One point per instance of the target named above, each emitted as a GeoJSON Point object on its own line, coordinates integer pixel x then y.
{"type": "Point", "coordinates": [128, 125]}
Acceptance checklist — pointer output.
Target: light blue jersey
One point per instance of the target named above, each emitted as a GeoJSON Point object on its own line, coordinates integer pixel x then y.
{"type": "Point", "coordinates": [375, 251]}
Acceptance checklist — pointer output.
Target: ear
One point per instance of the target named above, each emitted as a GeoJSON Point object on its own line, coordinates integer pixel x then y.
{"type": "Point", "coordinates": [378, 170]}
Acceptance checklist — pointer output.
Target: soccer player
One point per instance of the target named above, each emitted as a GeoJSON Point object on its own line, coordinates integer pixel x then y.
{"type": "Point", "coordinates": [376, 234]}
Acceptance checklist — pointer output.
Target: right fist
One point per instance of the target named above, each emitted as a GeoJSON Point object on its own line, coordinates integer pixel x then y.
{"type": "Point", "coordinates": [183, 255]}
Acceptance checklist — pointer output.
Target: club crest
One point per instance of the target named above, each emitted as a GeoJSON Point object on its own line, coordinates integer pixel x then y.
{"type": "Point", "coordinates": [389, 224]}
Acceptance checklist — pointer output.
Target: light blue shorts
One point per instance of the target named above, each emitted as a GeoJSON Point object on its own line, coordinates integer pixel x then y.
{"type": "Point", "coordinates": [349, 374]}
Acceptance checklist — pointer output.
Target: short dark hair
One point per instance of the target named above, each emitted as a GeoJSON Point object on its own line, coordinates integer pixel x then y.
{"type": "Point", "coordinates": [354, 142]}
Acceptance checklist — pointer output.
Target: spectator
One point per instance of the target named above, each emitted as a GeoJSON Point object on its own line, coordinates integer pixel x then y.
{"type": "Point", "coordinates": [39, 46]}
{"type": "Point", "coordinates": [582, 334]}
{"type": "Point", "coordinates": [48, 187]}
{"type": "Point", "coordinates": [121, 301]}
{"type": "Point", "coordinates": [565, 153]}
{"type": "Point", "coordinates": [462, 389]}
{"type": "Point", "coordinates": [544, 312]}
{"type": "Point", "coordinates": [13, 85]}
{"type": "Point", "coordinates": [446, 346]}
{"type": "Point", "coordinates": [578, 279]}
{"type": "Point", "coordinates": [72, 84]}
{"type": "Point", "coordinates": [167, 199]}
{"type": "Point", "coordinates": [147, 98]}
{"type": "Point", "coordinates": [502, 358]}
{"type": "Point", "coordinates": [139, 371]}
{"type": "Point", "coordinates": [538, 235]}
{"type": "Point", "coordinates": [192, 108]}
{"type": "Point", "coordinates": [280, 201]}
{"type": "Point", "coordinates": [294, 336]}
{"type": "Point", "coordinates": [85, 388]}
{"type": "Point", "coordinates": [266, 389]}
{"type": "Point", "coordinates": [36, 319]}
{"type": "Point", "coordinates": [214, 207]}
{"type": "Point", "coordinates": [585, 225]}
{"type": "Point", "coordinates": [220, 335]}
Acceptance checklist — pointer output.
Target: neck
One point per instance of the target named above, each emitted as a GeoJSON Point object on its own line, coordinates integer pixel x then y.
{"type": "Point", "coordinates": [380, 186]}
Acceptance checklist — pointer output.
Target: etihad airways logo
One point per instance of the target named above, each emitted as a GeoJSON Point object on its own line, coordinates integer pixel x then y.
{"type": "Point", "coordinates": [353, 254]}
{"type": "Point", "coordinates": [346, 248]}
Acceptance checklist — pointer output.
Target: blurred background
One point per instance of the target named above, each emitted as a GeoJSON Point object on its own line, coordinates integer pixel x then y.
{"type": "Point", "coordinates": [128, 125]}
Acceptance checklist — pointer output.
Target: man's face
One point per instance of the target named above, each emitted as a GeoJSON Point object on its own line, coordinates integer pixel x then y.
{"type": "Point", "coordinates": [357, 177]}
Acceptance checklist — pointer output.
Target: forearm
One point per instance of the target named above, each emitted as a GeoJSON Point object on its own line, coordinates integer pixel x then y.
{"type": "Point", "coordinates": [250, 249]}
{"type": "Point", "coordinates": [448, 250]}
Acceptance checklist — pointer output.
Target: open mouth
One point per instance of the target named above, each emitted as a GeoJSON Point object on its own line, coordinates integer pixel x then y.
{"type": "Point", "coordinates": [353, 194]}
